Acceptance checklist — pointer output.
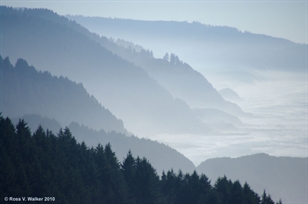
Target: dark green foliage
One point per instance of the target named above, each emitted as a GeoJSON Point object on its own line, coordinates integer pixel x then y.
{"type": "Point", "coordinates": [266, 199]}
{"type": "Point", "coordinates": [43, 164]}
{"type": "Point", "coordinates": [229, 192]}
{"type": "Point", "coordinates": [146, 182]}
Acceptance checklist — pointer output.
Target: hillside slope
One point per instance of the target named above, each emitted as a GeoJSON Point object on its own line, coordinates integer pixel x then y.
{"type": "Point", "coordinates": [183, 82]}
{"type": "Point", "coordinates": [162, 157]}
{"type": "Point", "coordinates": [125, 89]}
{"type": "Point", "coordinates": [27, 91]}
{"type": "Point", "coordinates": [177, 77]}
{"type": "Point", "coordinates": [283, 177]}
{"type": "Point", "coordinates": [205, 47]}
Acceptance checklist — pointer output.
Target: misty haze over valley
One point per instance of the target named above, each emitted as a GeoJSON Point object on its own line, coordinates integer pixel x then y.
{"type": "Point", "coordinates": [187, 96]}
{"type": "Point", "coordinates": [270, 82]}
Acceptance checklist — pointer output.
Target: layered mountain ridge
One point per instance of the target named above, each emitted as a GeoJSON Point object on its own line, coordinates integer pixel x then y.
{"type": "Point", "coordinates": [180, 79]}
{"type": "Point", "coordinates": [26, 91]}
{"type": "Point", "coordinates": [150, 95]}
{"type": "Point", "coordinates": [217, 46]}
{"type": "Point", "coordinates": [43, 100]}
{"type": "Point", "coordinates": [125, 89]}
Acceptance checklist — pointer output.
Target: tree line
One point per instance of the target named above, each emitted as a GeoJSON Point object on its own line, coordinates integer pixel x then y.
{"type": "Point", "coordinates": [43, 164]}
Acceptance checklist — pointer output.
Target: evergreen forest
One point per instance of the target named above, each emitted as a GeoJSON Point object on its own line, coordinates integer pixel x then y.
{"type": "Point", "coordinates": [44, 164]}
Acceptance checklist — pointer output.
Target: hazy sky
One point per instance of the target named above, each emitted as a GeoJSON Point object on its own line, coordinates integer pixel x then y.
{"type": "Point", "coordinates": [286, 19]}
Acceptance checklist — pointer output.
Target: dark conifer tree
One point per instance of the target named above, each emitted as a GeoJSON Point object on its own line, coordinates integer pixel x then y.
{"type": "Point", "coordinates": [266, 199]}
{"type": "Point", "coordinates": [147, 182]}
{"type": "Point", "coordinates": [128, 169]}
{"type": "Point", "coordinates": [117, 190]}
{"type": "Point", "coordinates": [249, 195]}
{"type": "Point", "coordinates": [223, 189]}
{"type": "Point", "coordinates": [170, 186]}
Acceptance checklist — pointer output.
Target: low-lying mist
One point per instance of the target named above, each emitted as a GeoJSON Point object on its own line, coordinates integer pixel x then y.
{"type": "Point", "coordinates": [278, 125]}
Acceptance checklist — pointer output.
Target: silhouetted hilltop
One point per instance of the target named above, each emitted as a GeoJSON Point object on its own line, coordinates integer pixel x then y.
{"type": "Point", "coordinates": [125, 89]}
{"type": "Point", "coordinates": [27, 91]}
{"type": "Point", "coordinates": [283, 177]}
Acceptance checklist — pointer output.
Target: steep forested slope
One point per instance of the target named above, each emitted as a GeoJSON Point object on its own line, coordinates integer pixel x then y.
{"type": "Point", "coordinates": [126, 90]}
{"type": "Point", "coordinates": [27, 91]}
{"type": "Point", "coordinates": [180, 79]}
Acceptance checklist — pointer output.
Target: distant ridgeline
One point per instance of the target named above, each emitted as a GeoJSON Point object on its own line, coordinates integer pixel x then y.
{"type": "Point", "coordinates": [132, 85]}
{"type": "Point", "coordinates": [204, 43]}
{"type": "Point", "coordinates": [43, 164]}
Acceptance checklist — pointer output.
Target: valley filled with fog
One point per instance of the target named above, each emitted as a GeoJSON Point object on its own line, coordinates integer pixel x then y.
{"type": "Point", "coordinates": [277, 127]}
{"type": "Point", "coordinates": [270, 82]}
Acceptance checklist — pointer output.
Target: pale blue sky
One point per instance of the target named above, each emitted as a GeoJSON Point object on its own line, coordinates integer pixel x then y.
{"type": "Point", "coordinates": [285, 19]}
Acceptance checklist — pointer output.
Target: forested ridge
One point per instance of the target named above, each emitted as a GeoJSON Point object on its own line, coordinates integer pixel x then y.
{"type": "Point", "coordinates": [25, 90]}
{"type": "Point", "coordinates": [44, 164]}
{"type": "Point", "coordinates": [120, 86]}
